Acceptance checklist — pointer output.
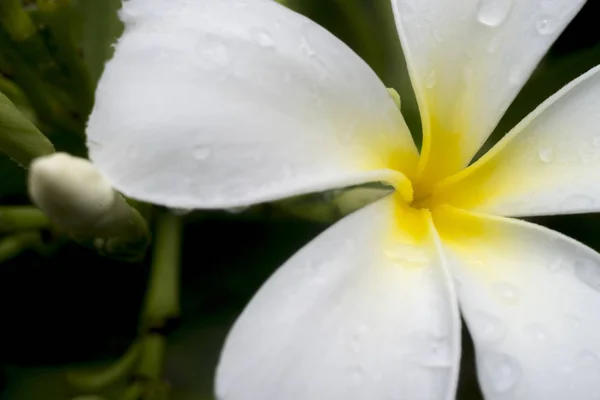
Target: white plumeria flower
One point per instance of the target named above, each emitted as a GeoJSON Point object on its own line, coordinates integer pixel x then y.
{"type": "Point", "coordinates": [216, 104]}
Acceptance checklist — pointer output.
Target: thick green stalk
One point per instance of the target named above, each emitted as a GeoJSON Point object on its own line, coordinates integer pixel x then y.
{"type": "Point", "coordinates": [162, 298]}
{"type": "Point", "coordinates": [160, 307]}
{"type": "Point", "coordinates": [14, 218]}
{"type": "Point", "coordinates": [19, 138]}
{"type": "Point", "coordinates": [12, 246]}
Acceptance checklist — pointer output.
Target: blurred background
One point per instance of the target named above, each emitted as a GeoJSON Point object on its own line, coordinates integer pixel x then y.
{"type": "Point", "coordinates": [65, 308]}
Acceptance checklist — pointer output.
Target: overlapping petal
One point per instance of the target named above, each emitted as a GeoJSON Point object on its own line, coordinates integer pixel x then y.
{"type": "Point", "coordinates": [548, 164]}
{"type": "Point", "coordinates": [365, 311]}
{"type": "Point", "coordinates": [467, 61]}
{"type": "Point", "coordinates": [226, 103]}
{"type": "Point", "coordinates": [530, 297]}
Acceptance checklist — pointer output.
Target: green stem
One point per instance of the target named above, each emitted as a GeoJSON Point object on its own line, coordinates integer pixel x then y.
{"type": "Point", "coordinates": [161, 306]}
{"type": "Point", "coordinates": [14, 245]}
{"type": "Point", "coordinates": [21, 218]}
{"type": "Point", "coordinates": [162, 298]}
{"type": "Point", "coordinates": [94, 381]}
{"type": "Point", "coordinates": [152, 356]}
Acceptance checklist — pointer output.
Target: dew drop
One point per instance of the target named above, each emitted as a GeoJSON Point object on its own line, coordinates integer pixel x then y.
{"type": "Point", "coordinates": [486, 327]}
{"type": "Point", "coordinates": [213, 52]}
{"type": "Point", "coordinates": [440, 355]}
{"type": "Point", "coordinates": [536, 333]}
{"type": "Point", "coordinates": [500, 371]}
{"type": "Point", "coordinates": [545, 26]}
{"type": "Point", "coordinates": [288, 171]}
{"type": "Point", "coordinates": [588, 272]}
{"type": "Point", "coordinates": [546, 155]}
{"type": "Point", "coordinates": [555, 265]}
{"type": "Point", "coordinates": [587, 359]}
{"type": "Point", "coordinates": [596, 141]}
{"type": "Point", "coordinates": [573, 321]}
{"type": "Point", "coordinates": [357, 374]}
{"type": "Point", "coordinates": [431, 80]}
{"type": "Point", "coordinates": [437, 36]}
{"type": "Point", "coordinates": [515, 74]}
{"type": "Point", "coordinates": [507, 292]}
{"type": "Point", "coordinates": [494, 44]}
{"type": "Point", "coordinates": [262, 37]}
{"type": "Point", "coordinates": [306, 47]}
{"type": "Point", "coordinates": [493, 12]}
{"type": "Point", "coordinates": [201, 152]}
{"type": "Point", "coordinates": [407, 256]}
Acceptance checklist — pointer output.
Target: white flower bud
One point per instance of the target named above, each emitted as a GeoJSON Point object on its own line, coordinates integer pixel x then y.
{"type": "Point", "coordinates": [70, 191]}
{"type": "Point", "coordinates": [77, 198]}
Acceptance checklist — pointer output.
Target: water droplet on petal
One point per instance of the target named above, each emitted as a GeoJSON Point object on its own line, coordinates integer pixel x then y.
{"type": "Point", "coordinates": [262, 37]}
{"type": "Point", "coordinates": [437, 36]}
{"type": "Point", "coordinates": [201, 152]}
{"type": "Point", "coordinates": [515, 74]}
{"type": "Point", "coordinates": [440, 355]}
{"type": "Point", "coordinates": [499, 371]}
{"type": "Point", "coordinates": [555, 265]}
{"type": "Point", "coordinates": [486, 327]}
{"type": "Point", "coordinates": [431, 80]}
{"type": "Point", "coordinates": [306, 47]}
{"type": "Point", "coordinates": [433, 352]}
{"type": "Point", "coordinates": [494, 44]}
{"type": "Point", "coordinates": [407, 256]}
{"type": "Point", "coordinates": [213, 52]}
{"type": "Point", "coordinates": [493, 12]}
{"type": "Point", "coordinates": [587, 359]}
{"type": "Point", "coordinates": [356, 374]}
{"type": "Point", "coordinates": [573, 321]}
{"type": "Point", "coordinates": [546, 26]}
{"type": "Point", "coordinates": [588, 272]}
{"type": "Point", "coordinates": [507, 292]}
{"type": "Point", "coordinates": [546, 155]}
{"type": "Point", "coordinates": [536, 333]}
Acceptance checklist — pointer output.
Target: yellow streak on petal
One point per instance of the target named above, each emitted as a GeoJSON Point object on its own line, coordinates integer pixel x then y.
{"type": "Point", "coordinates": [410, 226]}
{"type": "Point", "coordinates": [448, 143]}
{"type": "Point", "coordinates": [482, 181]}
{"type": "Point", "coordinates": [471, 236]}
{"type": "Point", "coordinates": [408, 242]}
{"type": "Point", "coordinates": [457, 227]}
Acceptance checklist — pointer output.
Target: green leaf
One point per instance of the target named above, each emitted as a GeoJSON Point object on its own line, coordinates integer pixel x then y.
{"type": "Point", "coordinates": [100, 29]}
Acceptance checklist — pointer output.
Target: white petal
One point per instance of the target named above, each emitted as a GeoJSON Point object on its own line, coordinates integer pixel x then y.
{"type": "Point", "coordinates": [467, 61]}
{"type": "Point", "coordinates": [359, 313]}
{"type": "Point", "coordinates": [548, 164]}
{"type": "Point", "coordinates": [227, 103]}
{"type": "Point", "coordinates": [530, 297]}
